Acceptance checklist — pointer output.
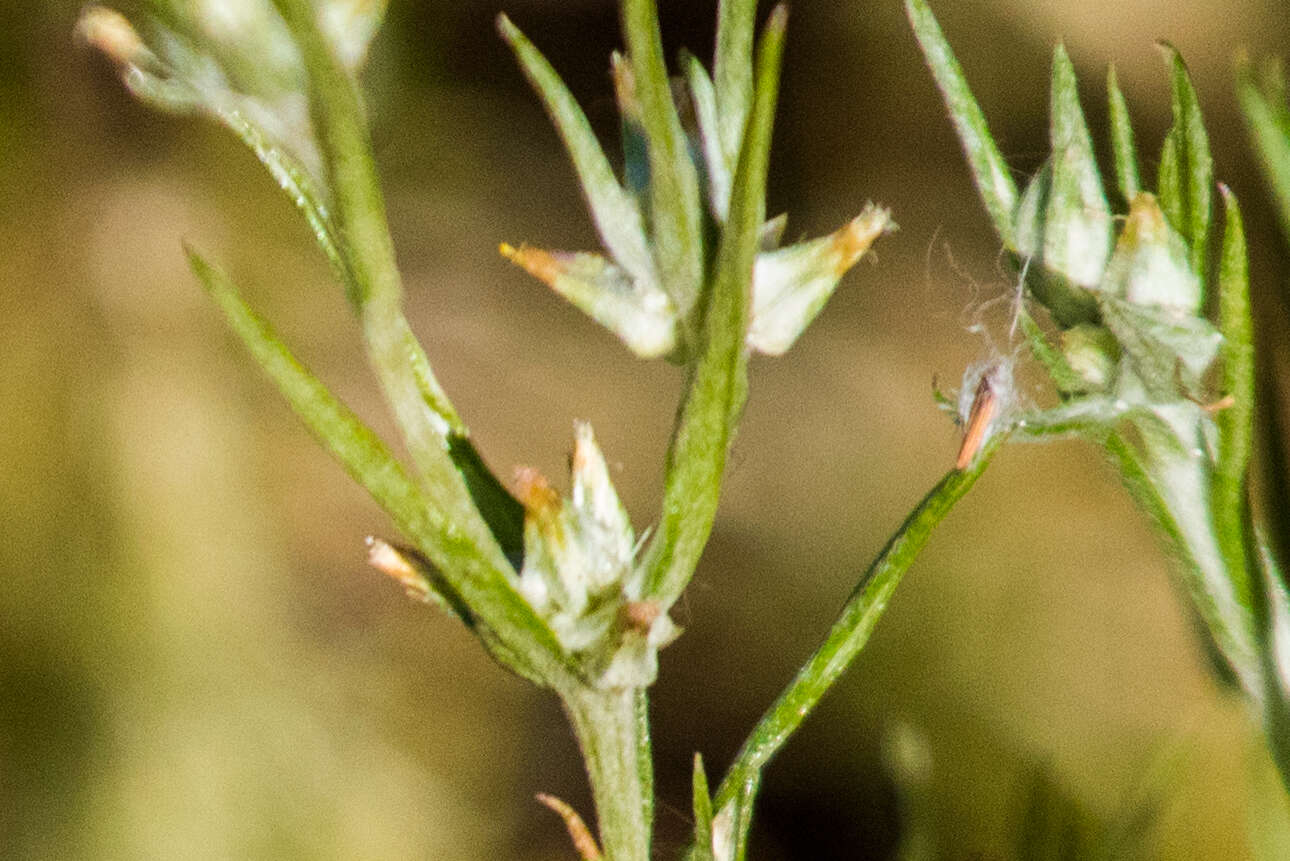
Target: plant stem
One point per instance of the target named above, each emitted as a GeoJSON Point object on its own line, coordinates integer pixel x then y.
{"type": "Point", "coordinates": [848, 636]}
{"type": "Point", "coordinates": [718, 383]}
{"type": "Point", "coordinates": [612, 727]}
{"type": "Point", "coordinates": [435, 436]}
{"type": "Point", "coordinates": [424, 412]}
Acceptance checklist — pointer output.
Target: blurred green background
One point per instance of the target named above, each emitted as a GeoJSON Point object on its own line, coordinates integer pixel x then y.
{"type": "Point", "coordinates": [195, 662]}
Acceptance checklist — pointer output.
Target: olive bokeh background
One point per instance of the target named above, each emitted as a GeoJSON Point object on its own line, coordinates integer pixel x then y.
{"type": "Point", "coordinates": [196, 662]}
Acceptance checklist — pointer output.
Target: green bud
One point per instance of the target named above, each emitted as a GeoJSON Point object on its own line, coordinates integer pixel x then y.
{"type": "Point", "coordinates": [1092, 353]}
{"type": "Point", "coordinates": [1151, 266]}
{"type": "Point", "coordinates": [791, 285]}
{"type": "Point", "coordinates": [579, 573]}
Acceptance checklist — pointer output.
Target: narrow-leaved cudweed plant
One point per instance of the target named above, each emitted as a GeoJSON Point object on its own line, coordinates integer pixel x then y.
{"type": "Point", "coordinates": [562, 589]}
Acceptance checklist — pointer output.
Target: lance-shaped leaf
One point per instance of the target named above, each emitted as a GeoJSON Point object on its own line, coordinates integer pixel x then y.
{"type": "Point", "coordinates": [425, 416]}
{"type": "Point", "coordinates": [989, 170]}
{"type": "Point", "coordinates": [701, 804]}
{"type": "Point", "coordinates": [717, 164]}
{"type": "Point", "coordinates": [1186, 167]}
{"type": "Point", "coordinates": [614, 211]}
{"type": "Point", "coordinates": [1123, 150]}
{"type": "Point", "coordinates": [1236, 421]}
{"type": "Point", "coordinates": [1267, 117]}
{"type": "Point", "coordinates": [1064, 221]}
{"type": "Point", "coordinates": [863, 609]}
{"type": "Point", "coordinates": [718, 385]}
{"type": "Point", "coordinates": [1077, 237]}
{"type": "Point", "coordinates": [791, 285]}
{"type": "Point", "coordinates": [675, 208]}
{"type": "Point", "coordinates": [732, 69]}
{"type": "Point", "coordinates": [639, 313]}
{"type": "Point", "coordinates": [471, 564]}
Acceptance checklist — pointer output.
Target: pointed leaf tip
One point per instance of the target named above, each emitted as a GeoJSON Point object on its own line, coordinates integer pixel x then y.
{"type": "Point", "coordinates": [640, 314]}
{"type": "Point", "coordinates": [1123, 149]}
{"type": "Point", "coordinates": [993, 180]}
{"type": "Point", "coordinates": [111, 32]}
{"type": "Point", "coordinates": [505, 27]}
{"type": "Point", "coordinates": [1187, 167]}
{"type": "Point", "coordinates": [1077, 219]}
{"type": "Point", "coordinates": [791, 285]}
{"type": "Point", "coordinates": [615, 212]}
{"type": "Point", "coordinates": [701, 801]}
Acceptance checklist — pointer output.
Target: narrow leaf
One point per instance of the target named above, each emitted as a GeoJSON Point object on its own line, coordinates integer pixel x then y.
{"type": "Point", "coordinates": [718, 386]}
{"type": "Point", "coordinates": [1196, 166]}
{"type": "Point", "coordinates": [470, 564]}
{"type": "Point", "coordinates": [424, 414]}
{"type": "Point", "coordinates": [849, 634]}
{"type": "Point", "coordinates": [732, 69]}
{"type": "Point", "coordinates": [1267, 119]}
{"type": "Point", "coordinates": [1169, 181]}
{"type": "Point", "coordinates": [717, 164]}
{"type": "Point", "coordinates": [1123, 150]}
{"type": "Point", "coordinates": [676, 212]}
{"type": "Point", "coordinates": [292, 178]}
{"type": "Point", "coordinates": [702, 805]}
{"type": "Point", "coordinates": [615, 213]}
{"type": "Point", "coordinates": [994, 183]}
{"type": "Point", "coordinates": [1077, 218]}
{"type": "Point", "coordinates": [1235, 422]}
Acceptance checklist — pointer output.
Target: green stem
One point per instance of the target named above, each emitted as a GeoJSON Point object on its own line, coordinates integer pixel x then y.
{"type": "Point", "coordinates": [423, 410]}
{"type": "Point", "coordinates": [456, 483]}
{"type": "Point", "coordinates": [676, 210]}
{"type": "Point", "coordinates": [718, 384]}
{"type": "Point", "coordinates": [612, 727]}
{"type": "Point", "coordinates": [845, 640]}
